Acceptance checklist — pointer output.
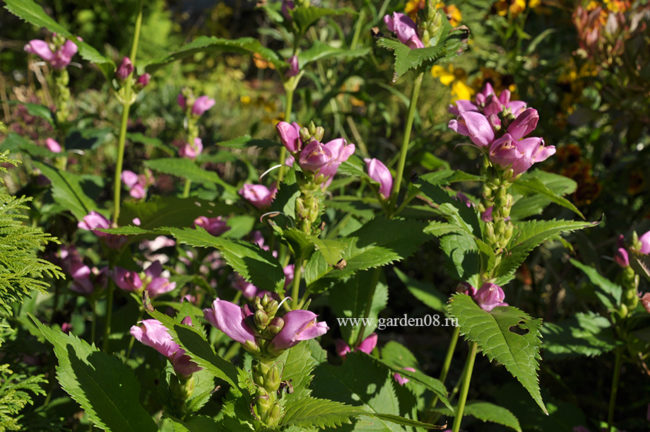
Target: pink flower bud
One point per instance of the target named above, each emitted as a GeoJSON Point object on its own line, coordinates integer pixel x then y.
{"type": "Point", "coordinates": [490, 296]}
{"type": "Point", "coordinates": [293, 66]}
{"type": "Point", "coordinates": [126, 279]}
{"type": "Point", "coordinates": [645, 243]}
{"type": "Point", "coordinates": [144, 79]}
{"type": "Point", "coordinates": [299, 325]}
{"type": "Point", "coordinates": [645, 301]}
{"type": "Point", "coordinates": [124, 69]}
{"type": "Point", "coordinates": [475, 126]}
{"type": "Point", "coordinates": [290, 136]}
{"type": "Point", "coordinates": [368, 344]}
{"type": "Point", "coordinates": [404, 28]}
{"type": "Point", "coordinates": [40, 48]}
{"type": "Point", "coordinates": [201, 105]}
{"type": "Point", "coordinates": [156, 284]}
{"type": "Point", "coordinates": [215, 226]}
{"type": "Point", "coordinates": [181, 100]}
{"type": "Point", "coordinates": [66, 327]}
{"type": "Point", "coordinates": [53, 145]}
{"type": "Point", "coordinates": [229, 318]}
{"type": "Point", "coordinates": [525, 123]}
{"type": "Point", "coordinates": [287, 5]}
{"type": "Point", "coordinates": [486, 216]}
{"type": "Point", "coordinates": [400, 379]}
{"type": "Point", "coordinates": [379, 173]}
{"type": "Point", "coordinates": [191, 151]}
{"type": "Point", "coordinates": [621, 257]}
{"type": "Point", "coordinates": [342, 349]}
{"type": "Point", "coordinates": [258, 195]}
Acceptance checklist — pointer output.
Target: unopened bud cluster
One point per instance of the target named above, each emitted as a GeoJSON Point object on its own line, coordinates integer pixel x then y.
{"type": "Point", "coordinates": [495, 207]}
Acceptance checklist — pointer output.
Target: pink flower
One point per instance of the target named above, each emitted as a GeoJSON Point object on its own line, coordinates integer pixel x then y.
{"type": "Point", "coordinates": [136, 184]}
{"type": "Point", "coordinates": [287, 5]}
{"type": "Point", "coordinates": [486, 216]}
{"type": "Point", "coordinates": [342, 349]}
{"type": "Point", "coordinates": [289, 272]}
{"type": "Point", "coordinates": [293, 66]}
{"type": "Point", "coordinates": [299, 325]}
{"type": "Point", "coordinates": [474, 125]}
{"type": "Point", "coordinates": [153, 334]}
{"type": "Point", "coordinates": [519, 155]}
{"type": "Point", "coordinates": [325, 159]}
{"type": "Point", "coordinates": [181, 100]}
{"type": "Point", "coordinates": [215, 226]}
{"type": "Point", "coordinates": [247, 289]}
{"type": "Point", "coordinates": [645, 243]}
{"type": "Point", "coordinates": [126, 279]}
{"type": "Point", "coordinates": [59, 59]}
{"type": "Point", "coordinates": [94, 221]}
{"type": "Point", "coordinates": [621, 257]}
{"type": "Point", "coordinates": [66, 327]}
{"type": "Point", "coordinates": [201, 105]}
{"type": "Point", "coordinates": [191, 151]}
{"type": "Point", "coordinates": [155, 283]}
{"type": "Point", "coordinates": [366, 346]}
{"type": "Point", "coordinates": [525, 123]}
{"type": "Point", "coordinates": [400, 379]}
{"type": "Point", "coordinates": [645, 301]}
{"type": "Point", "coordinates": [380, 173]}
{"type": "Point", "coordinates": [79, 272]}
{"type": "Point", "coordinates": [258, 195]}
{"type": "Point", "coordinates": [230, 319]}
{"type": "Point", "coordinates": [143, 80]}
{"type": "Point", "coordinates": [490, 296]}
{"type": "Point", "coordinates": [53, 146]}
{"type": "Point", "coordinates": [124, 69]}
{"type": "Point", "coordinates": [290, 136]}
{"type": "Point", "coordinates": [404, 28]}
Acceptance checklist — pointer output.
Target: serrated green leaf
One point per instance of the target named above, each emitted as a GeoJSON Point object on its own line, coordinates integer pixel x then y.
{"type": "Point", "coordinates": [34, 14]}
{"type": "Point", "coordinates": [198, 348]}
{"type": "Point", "coordinates": [188, 169]}
{"type": "Point", "coordinates": [527, 236]}
{"type": "Point", "coordinates": [254, 264]}
{"type": "Point", "coordinates": [507, 335]}
{"type": "Point", "coordinates": [331, 250]}
{"type": "Point", "coordinates": [609, 294]}
{"type": "Point", "coordinates": [304, 16]}
{"type": "Point", "coordinates": [487, 412]}
{"type": "Point", "coordinates": [298, 364]}
{"type": "Point", "coordinates": [438, 229]}
{"type": "Point", "coordinates": [423, 291]}
{"type": "Point", "coordinates": [533, 203]}
{"type": "Point", "coordinates": [321, 413]}
{"type": "Point", "coordinates": [531, 184]}
{"type": "Point", "coordinates": [322, 51]}
{"type": "Point", "coordinates": [245, 45]}
{"type": "Point", "coordinates": [67, 191]}
{"type": "Point", "coordinates": [106, 388]}
{"type": "Point", "coordinates": [587, 334]}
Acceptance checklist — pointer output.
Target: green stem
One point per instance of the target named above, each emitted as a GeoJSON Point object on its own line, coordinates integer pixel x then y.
{"type": "Point", "coordinates": [93, 325]}
{"type": "Point", "coordinates": [287, 118]}
{"type": "Point", "coordinates": [109, 315]}
{"type": "Point", "coordinates": [465, 388]}
{"type": "Point", "coordinates": [450, 354]}
{"type": "Point", "coordinates": [371, 296]}
{"type": "Point", "coordinates": [186, 188]}
{"type": "Point", "coordinates": [407, 135]}
{"type": "Point", "coordinates": [295, 289]}
{"type": "Point", "coordinates": [612, 397]}
{"type": "Point", "coordinates": [357, 29]}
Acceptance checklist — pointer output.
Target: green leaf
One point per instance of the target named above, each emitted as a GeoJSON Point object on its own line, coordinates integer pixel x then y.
{"type": "Point", "coordinates": [423, 291]}
{"type": "Point", "coordinates": [246, 45]}
{"type": "Point", "coordinates": [16, 144]}
{"type": "Point", "coordinates": [587, 334]}
{"type": "Point", "coordinates": [154, 142]}
{"type": "Point", "coordinates": [188, 169]}
{"type": "Point", "coordinates": [332, 250]}
{"type": "Point", "coordinates": [257, 266]}
{"type": "Point", "coordinates": [321, 413]}
{"type": "Point", "coordinates": [533, 203]}
{"type": "Point", "coordinates": [304, 16]}
{"type": "Point", "coordinates": [527, 236]}
{"type": "Point", "coordinates": [445, 177]}
{"type": "Point", "coordinates": [609, 293]}
{"type": "Point", "coordinates": [198, 348]}
{"type": "Point", "coordinates": [487, 412]}
{"type": "Point", "coordinates": [321, 51]}
{"type": "Point", "coordinates": [67, 190]}
{"type": "Point", "coordinates": [106, 388]}
{"type": "Point", "coordinates": [531, 184]}
{"type": "Point", "coordinates": [507, 335]}
{"type": "Point", "coordinates": [298, 364]}
{"type": "Point", "coordinates": [34, 14]}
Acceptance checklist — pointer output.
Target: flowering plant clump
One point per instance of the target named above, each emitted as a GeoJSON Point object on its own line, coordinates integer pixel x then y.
{"type": "Point", "coordinates": [302, 216]}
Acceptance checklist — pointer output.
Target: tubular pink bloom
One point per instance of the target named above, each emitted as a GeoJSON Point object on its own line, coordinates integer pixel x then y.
{"type": "Point", "coordinates": [126, 279]}
{"type": "Point", "coordinates": [258, 195]}
{"type": "Point", "coordinates": [53, 146]}
{"type": "Point", "coordinates": [461, 106]}
{"type": "Point", "coordinates": [181, 100]}
{"type": "Point", "coordinates": [404, 28]}
{"type": "Point", "coordinates": [299, 325]}
{"type": "Point", "coordinates": [191, 151]}
{"type": "Point", "coordinates": [247, 289]}
{"type": "Point", "coordinates": [293, 66]}
{"type": "Point", "coordinates": [92, 221]}
{"type": "Point", "coordinates": [290, 136]}
{"type": "Point", "coordinates": [342, 349]}
{"type": "Point", "coordinates": [339, 151]}
{"type": "Point", "coordinates": [63, 56]}
{"type": "Point", "coordinates": [645, 243]}
{"type": "Point", "coordinates": [144, 79]}
{"type": "Point", "coordinates": [156, 284]}
{"type": "Point", "coordinates": [135, 183]}
{"type": "Point", "coordinates": [40, 48]}
{"type": "Point", "coordinates": [138, 192]}
{"type": "Point", "coordinates": [368, 344]}
{"type": "Point", "coordinates": [621, 257]}
{"type": "Point", "coordinates": [525, 123]}
{"type": "Point", "coordinates": [129, 178]}
{"type": "Point", "coordinates": [66, 327]}
{"type": "Point", "coordinates": [475, 126]}
{"type": "Point", "coordinates": [314, 156]}
{"type": "Point", "coordinates": [490, 296]}
{"type": "Point", "coordinates": [229, 318]}
{"type": "Point", "coordinates": [520, 155]}
{"type": "Point", "coordinates": [645, 301]}
{"type": "Point", "coordinates": [467, 288]}
{"type": "Point", "coordinates": [486, 216]}
{"type": "Point", "coordinates": [400, 379]}
{"type": "Point", "coordinates": [153, 334]}
{"type": "Point", "coordinates": [215, 226]}
{"type": "Point", "coordinates": [124, 69]}
{"type": "Point", "coordinates": [380, 173]}
{"type": "Point", "coordinates": [202, 104]}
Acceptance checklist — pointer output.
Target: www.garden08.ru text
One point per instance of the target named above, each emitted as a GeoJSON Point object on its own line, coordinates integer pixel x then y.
{"type": "Point", "coordinates": [429, 320]}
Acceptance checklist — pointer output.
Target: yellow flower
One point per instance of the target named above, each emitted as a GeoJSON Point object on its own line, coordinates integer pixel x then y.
{"type": "Point", "coordinates": [453, 15]}
{"type": "Point", "coordinates": [454, 78]}
{"type": "Point", "coordinates": [412, 7]}
{"type": "Point", "coordinates": [512, 7]}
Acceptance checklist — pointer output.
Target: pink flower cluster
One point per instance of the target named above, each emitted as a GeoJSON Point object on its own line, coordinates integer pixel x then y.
{"type": "Point", "coordinates": [94, 221]}
{"type": "Point", "coordinates": [152, 280]}
{"type": "Point", "coordinates": [258, 195]}
{"type": "Point", "coordinates": [501, 127]}
{"type": "Point", "coordinates": [136, 184]}
{"type": "Point", "coordinates": [58, 59]}
{"type": "Point", "coordinates": [404, 28]}
{"type": "Point", "coordinates": [200, 105]}
{"type": "Point", "coordinates": [321, 159]}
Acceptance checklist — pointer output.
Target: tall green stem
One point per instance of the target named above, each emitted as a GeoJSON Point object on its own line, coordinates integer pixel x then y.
{"type": "Point", "coordinates": [287, 117]}
{"type": "Point", "coordinates": [407, 134]}
{"type": "Point", "coordinates": [295, 289]}
{"type": "Point", "coordinates": [450, 354]}
{"type": "Point", "coordinates": [186, 188]}
{"type": "Point", "coordinates": [612, 397]}
{"type": "Point", "coordinates": [465, 388]}
{"type": "Point", "coordinates": [371, 297]}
